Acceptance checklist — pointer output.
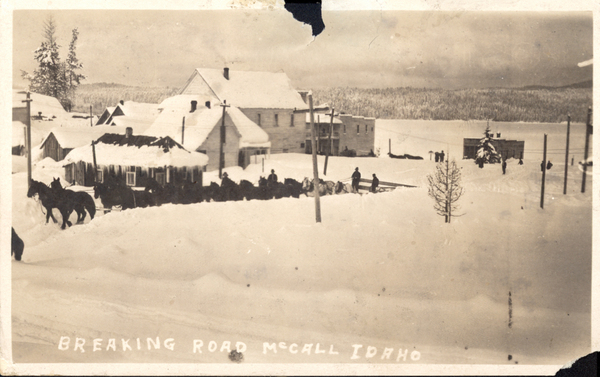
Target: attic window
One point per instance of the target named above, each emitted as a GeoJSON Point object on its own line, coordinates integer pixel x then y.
{"type": "Point", "coordinates": [276, 120]}
{"type": "Point", "coordinates": [258, 119]}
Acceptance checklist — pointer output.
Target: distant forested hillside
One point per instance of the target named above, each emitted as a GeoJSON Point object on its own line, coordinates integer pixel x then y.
{"type": "Point", "coordinates": [546, 105]}
{"type": "Point", "coordinates": [102, 95]}
{"type": "Point", "coordinates": [543, 104]}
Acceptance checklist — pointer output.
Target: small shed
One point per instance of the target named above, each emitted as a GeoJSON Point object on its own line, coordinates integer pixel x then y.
{"type": "Point", "coordinates": [133, 159]}
{"type": "Point", "coordinates": [61, 140]}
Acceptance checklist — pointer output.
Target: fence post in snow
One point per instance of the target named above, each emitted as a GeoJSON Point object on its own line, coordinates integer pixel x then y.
{"type": "Point", "coordinates": [91, 117]}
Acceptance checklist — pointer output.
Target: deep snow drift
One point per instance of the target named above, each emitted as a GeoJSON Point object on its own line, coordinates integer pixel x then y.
{"type": "Point", "coordinates": [381, 270]}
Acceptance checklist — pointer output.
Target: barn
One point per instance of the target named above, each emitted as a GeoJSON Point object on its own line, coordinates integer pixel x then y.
{"type": "Point", "coordinates": [133, 159]}
{"type": "Point", "coordinates": [195, 122]}
{"type": "Point", "coordinates": [266, 98]}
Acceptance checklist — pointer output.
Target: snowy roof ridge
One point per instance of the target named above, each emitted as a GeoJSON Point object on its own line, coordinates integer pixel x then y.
{"type": "Point", "coordinates": [253, 89]}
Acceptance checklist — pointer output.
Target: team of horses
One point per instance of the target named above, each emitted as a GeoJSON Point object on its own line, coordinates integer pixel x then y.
{"type": "Point", "coordinates": [114, 193]}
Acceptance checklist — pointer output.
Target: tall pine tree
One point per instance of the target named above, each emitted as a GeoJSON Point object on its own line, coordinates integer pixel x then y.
{"type": "Point", "coordinates": [486, 152]}
{"type": "Point", "coordinates": [53, 77]}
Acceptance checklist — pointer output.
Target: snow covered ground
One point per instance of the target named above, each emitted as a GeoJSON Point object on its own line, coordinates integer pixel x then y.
{"type": "Point", "coordinates": [381, 280]}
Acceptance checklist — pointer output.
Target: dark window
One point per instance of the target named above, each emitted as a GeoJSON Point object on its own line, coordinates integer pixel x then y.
{"type": "Point", "coordinates": [258, 119]}
{"type": "Point", "coordinates": [357, 129]}
{"type": "Point", "coordinates": [301, 145]}
{"type": "Point", "coordinates": [276, 120]}
{"type": "Point", "coordinates": [344, 128]}
{"type": "Point", "coordinates": [292, 120]}
{"type": "Point", "coordinates": [366, 129]}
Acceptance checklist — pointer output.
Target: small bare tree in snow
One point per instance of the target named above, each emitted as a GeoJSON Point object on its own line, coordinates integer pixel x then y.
{"type": "Point", "coordinates": [445, 188]}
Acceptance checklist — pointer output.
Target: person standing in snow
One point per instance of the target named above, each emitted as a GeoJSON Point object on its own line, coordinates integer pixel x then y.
{"type": "Point", "coordinates": [272, 177]}
{"type": "Point", "coordinates": [542, 166]}
{"type": "Point", "coordinates": [375, 183]}
{"type": "Point", "coordinates": [504, 167]}
{"type": "Point", "coordinates": [442, 156]}
{"type": "Point", "coordinates": [549, 165]}
{"type": "Point", "coordinates": [355, 180]}
{"type": "Point", "coordinates": [520, 161]}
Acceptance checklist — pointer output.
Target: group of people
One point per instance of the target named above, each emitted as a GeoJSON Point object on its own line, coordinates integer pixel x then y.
{"type": "Point", "coordinates": [439, 156]}
{"type": "Point", "coordinates": [356, 180]}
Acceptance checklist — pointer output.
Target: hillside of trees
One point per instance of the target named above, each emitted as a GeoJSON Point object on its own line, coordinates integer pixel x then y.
{"type": "Point", "coordinates": [547, 105]}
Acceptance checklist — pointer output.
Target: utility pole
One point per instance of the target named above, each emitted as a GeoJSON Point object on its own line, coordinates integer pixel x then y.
{"type": "Point", "coordinates": [314, 158]}
{"type": "Point", "coordinates": [330, 143]}
{"type": "Point", "coordinates": [567, 154]}
{"type": "Point", "coordinates": [94, 157]}
{"type": "Point", "coordinates": [588, 131]}
{"type": "Point", "coordinates": [182, 130]}
{"type": "Point", "coordinates": [91, 117]}
{"type": "Point", "coordinates": [224, 105]}
{"type": "Point", "coordinates": [28, 124]}
{"type": "Point", "coordinates": [543, 172]}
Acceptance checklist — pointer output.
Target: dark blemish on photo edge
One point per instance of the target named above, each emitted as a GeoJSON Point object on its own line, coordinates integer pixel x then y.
{"type": "Point", "coordinates": [236, 356]}
{"type": "Point", "coordinates": [308, 12]}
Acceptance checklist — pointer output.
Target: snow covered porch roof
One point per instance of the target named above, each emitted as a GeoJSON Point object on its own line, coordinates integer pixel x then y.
{"type": "Point", "coordinates": [142, 151]}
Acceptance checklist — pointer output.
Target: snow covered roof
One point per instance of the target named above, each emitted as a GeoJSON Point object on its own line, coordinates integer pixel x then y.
{"type": "Point", "coordinates": [18, 137]}
{"type": "Point", "coordinates": [139, 110]}
{"type": "Point", "coordinates": [200, 123]}
{"type": "Point", "coordinates": [323, 118]}
{"type": "Point", "coordinates": [137, 150]}
{"type": "Point", "coordinates": [250, 89]}
{"type": "Point", "coordinates": [73, 137]}
{"type": "Point", "coordinates": [251, 134]}
{"type": "Point", "coordinates": [48, 106]}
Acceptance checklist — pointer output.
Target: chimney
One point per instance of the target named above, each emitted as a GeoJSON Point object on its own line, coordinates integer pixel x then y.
{"type": "Point", "coordinates": [128, 132]}
{"type": "Point", "coordinates": [226, 73]}
{"type": "Point", "coordinates": [207, 104]}
{"type": "Point", "coordinates": [194, 104]}
{"type": "Point", "coordinates": [121, 102]}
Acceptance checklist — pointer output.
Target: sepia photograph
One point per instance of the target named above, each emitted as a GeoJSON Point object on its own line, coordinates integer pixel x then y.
{"type": "Point", "coordinates": [283, 188]}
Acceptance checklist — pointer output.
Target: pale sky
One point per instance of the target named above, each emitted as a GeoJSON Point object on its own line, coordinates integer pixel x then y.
{"type": "Point", "coordinates": [357, 48]}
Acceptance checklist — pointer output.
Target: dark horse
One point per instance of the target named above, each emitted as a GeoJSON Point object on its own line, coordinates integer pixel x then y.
{"type": "Point", "coordinates": [82, 200]}
{"type": "Point", "coordinates": [50, 200]}
{"type": "Point", "coordinates": [17, 245]}
{"type": "Point", "coordinates": [121, 195]}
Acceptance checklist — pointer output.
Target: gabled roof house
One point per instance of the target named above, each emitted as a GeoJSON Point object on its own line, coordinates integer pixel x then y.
{"type": "Point", "coordinates": [268, 99]}
{"type": "Point", "coordinates": [195, 122]}
{"type": "Point", "coordinates": [137, 115]}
